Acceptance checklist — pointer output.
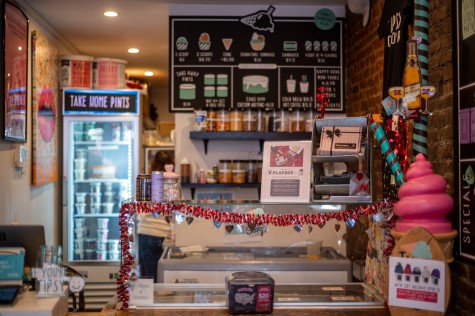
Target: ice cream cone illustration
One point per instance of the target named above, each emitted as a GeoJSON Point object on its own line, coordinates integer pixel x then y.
{"type": "Point", "coordinates": [261, 20]}
{"type": "Point", "coordinates": [227, 43]}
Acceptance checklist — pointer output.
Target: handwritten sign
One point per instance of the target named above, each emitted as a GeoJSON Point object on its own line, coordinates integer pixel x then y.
{"type": "Point", "coordinates": [50, 279]}
{"type": "Point", "coordinates": [141, 292]}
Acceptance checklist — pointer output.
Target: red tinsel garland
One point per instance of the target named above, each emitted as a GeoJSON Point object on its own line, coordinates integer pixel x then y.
{"type": "Point", "coordinates": [322, 99]}
{"type": "Point", "coordinates": [128, 210]}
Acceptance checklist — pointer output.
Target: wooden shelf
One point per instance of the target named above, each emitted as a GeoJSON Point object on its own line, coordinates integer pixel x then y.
{"type": "Point", "coordinates": [259, 136]}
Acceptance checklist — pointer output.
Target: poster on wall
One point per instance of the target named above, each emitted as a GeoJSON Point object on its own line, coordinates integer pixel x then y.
{"type": "Point", "coordinates": [464, 127]}
{"type": "Point", "coordinates": [45, 69]}
{"type": "Point", "coordinates": [257, 61]}
{"type": "Point", "coordinates": [15, 65]}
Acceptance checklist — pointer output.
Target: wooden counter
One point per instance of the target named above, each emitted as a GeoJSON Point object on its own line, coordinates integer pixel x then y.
{"type": "Point", "coordinates": [224, 312]}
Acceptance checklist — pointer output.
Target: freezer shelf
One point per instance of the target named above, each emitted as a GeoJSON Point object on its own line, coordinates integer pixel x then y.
{"type": "Point", "coordinates": [348, 295]}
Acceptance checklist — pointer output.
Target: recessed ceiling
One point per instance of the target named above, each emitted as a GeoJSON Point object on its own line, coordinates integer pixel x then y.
{"type": "Point", "coordinates": [141, 23]}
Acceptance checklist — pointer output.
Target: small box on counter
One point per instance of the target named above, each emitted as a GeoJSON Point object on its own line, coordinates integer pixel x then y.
{"type": "Point", "coordinates": [340, 140]}
{"type": "Point", "coordinates": [250, 293]}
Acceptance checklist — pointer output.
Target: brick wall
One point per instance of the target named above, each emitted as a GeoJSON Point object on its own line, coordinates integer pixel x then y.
{"type": "Point", "coordinates": [364, 68]}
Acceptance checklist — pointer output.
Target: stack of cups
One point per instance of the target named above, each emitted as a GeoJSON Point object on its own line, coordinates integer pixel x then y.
{"type": "Point", "coordinates": [90, 248]}
{"type": "Point", "coordinates": [95, 198]}
{"type": "Point", "coordinates": [108, 199]}
{"type": "Point", "coordinates": [102, 229]}
{"type": "Point", "coordinates": [81, 203]}
{"type": "Point", "coordinates": [79, 223]}
{"type": "Point", "coordinates": [113, 249]}
{"type": "Point", "coordinates": [102, 235]}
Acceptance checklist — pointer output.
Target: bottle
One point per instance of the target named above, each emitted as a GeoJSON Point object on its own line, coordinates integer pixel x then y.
{"type": "Point", "coordinates": [171, 184]}
{"type": "Point", "coordinates": [411, 80]}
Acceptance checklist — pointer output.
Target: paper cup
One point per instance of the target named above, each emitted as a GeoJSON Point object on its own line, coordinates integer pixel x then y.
{"type": "Point", "coordinates": [114, 255]}
{"type": "Point", "coordinates": [90, 254]}
{"type": "Point", "coordinates": [102, 223]}
{"type": "Point", "coordinates": [80, 163]}
{"type": "Point", "coordinates": [108, 197]}
{"type": "Point", "coordinates": [102, 245]}
{"type": "Point", "coordinates": [96, 188]}
{"type": "Point", "coordinates": [79, 222]}
{"type": "Point", "coordinates": [79, 243]}
{"type": "Point", "coordinates": [90, 243]}
{"type": "Point", "coordinates": [101, 254]}
{"type": "Point", "coordinates": [102, 234]}
{"type": "Point", "coordinates": [95, 208]}
{"type": "Point", "coordinates": [79, 254]}
{"type": "Point", "coordinates": [79, 174]}
{"type": "Point", "coordinates": [80, 208]}
{"type": "Point", "coordinates": [113, 245]}
{"type": "Point", "coordinates": [81, 197]}
{"type": "Point", "coordinates": [107, 208]}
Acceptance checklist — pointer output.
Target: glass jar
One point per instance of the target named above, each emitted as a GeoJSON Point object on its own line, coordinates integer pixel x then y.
{"type": "Point", "coordinates": [171, 184]}
{"type": "Point", "coordinates": [309, 119]}
{"type": "Point", "coordinates": [297, 121]}
{"type": "Point", "coordinates": [272, 121]}
{"type": "Point", "coordinates": [239, 171]}
{"type": "Point", "coordinates": [282, 122]}
{"type": "Point", "coordinates": [211, 116]}
{"type": "Point", "coordinates": [200, 120]}
{"type": "Point", "coordinates": [225, 174]}
{"type": "Point", "coordinates": [251, 174]}
{"type": "Point", "coordinates": [235, 118]}
{"type": "Point", "coordinates": [259, 171]}
{"type": "Point", "coordinates": [249, 121]}
{"type": "Point", "coordinates": [261, 120]}
{"type": "Point", "coordinates": [222, 121]}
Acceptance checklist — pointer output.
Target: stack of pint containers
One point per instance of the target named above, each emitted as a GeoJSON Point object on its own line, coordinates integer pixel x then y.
{"type": "Point", "coordinates": [76, 72]}
{"type": "Point", "coordinates": [102, 238]}
{"type": "Point", "coordinates": [79, 230]}
{"type": "Point", "coordinates": [86, 72]}
{"type": "Point", "coordinates": [109, 73]}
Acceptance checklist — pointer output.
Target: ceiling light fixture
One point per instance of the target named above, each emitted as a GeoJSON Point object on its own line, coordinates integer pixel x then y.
{"type": "Point", "coordinates": [111, 13]}
{"type": "Point", "coordinates": [148, 73]}
{"type": "Point", "coordinates": [133, 50]}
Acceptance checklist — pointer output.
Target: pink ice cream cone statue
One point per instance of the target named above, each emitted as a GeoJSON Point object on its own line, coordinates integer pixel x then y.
{"type": "Point", "coordinates": [422, 200]}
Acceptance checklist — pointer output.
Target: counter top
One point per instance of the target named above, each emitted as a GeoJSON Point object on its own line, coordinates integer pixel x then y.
{"type": "Point", "coordinates": [383, 311]}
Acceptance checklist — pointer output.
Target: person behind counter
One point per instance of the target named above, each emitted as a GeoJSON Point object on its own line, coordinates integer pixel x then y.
{"type": "Point", "coordinates": [152, 231]}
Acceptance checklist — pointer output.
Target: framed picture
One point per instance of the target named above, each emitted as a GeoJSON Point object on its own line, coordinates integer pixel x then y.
{"type": "Point", "coordinates": [13, 73]}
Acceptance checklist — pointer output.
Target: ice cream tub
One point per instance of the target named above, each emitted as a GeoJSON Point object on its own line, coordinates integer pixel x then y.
{"type": "Point", "coordinates": [76, 71]}
{"type": "Point", "coordinates": [109, 73]}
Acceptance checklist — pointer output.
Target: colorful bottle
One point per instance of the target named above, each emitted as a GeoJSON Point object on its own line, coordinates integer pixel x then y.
{"type": "Point", "coordinates": [411, 80]}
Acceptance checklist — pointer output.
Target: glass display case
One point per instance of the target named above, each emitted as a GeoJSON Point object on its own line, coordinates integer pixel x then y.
{"type": "Point", "coordinates": [348, 295]}
{"type": "Point", "coordinates": [204, 249]}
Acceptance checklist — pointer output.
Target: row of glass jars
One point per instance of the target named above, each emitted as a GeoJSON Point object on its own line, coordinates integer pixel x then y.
{"type": "Point", "coordinates": [250, 120]}
{"type": "Point", "coordinates": [239, 171]}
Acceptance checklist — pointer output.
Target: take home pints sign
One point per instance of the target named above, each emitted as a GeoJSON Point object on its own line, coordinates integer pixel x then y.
{"type": "Point", "coordinates": [100, 101]}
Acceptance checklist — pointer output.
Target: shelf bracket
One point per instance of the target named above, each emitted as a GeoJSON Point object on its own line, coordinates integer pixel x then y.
{"type": "Point", "coordinates": [205, 143]}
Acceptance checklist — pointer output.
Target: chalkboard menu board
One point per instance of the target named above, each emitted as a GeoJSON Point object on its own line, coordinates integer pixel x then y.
{"type": "Point", "coordinates": [256, 61]}
{"type": "Point", "coordinates": [464, 113]}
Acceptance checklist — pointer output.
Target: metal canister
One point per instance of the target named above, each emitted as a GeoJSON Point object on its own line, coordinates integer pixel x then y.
{"type": "Point", "coordinates": [143, 187]}
{"type": "Point", "coordinates": [157, 186]}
